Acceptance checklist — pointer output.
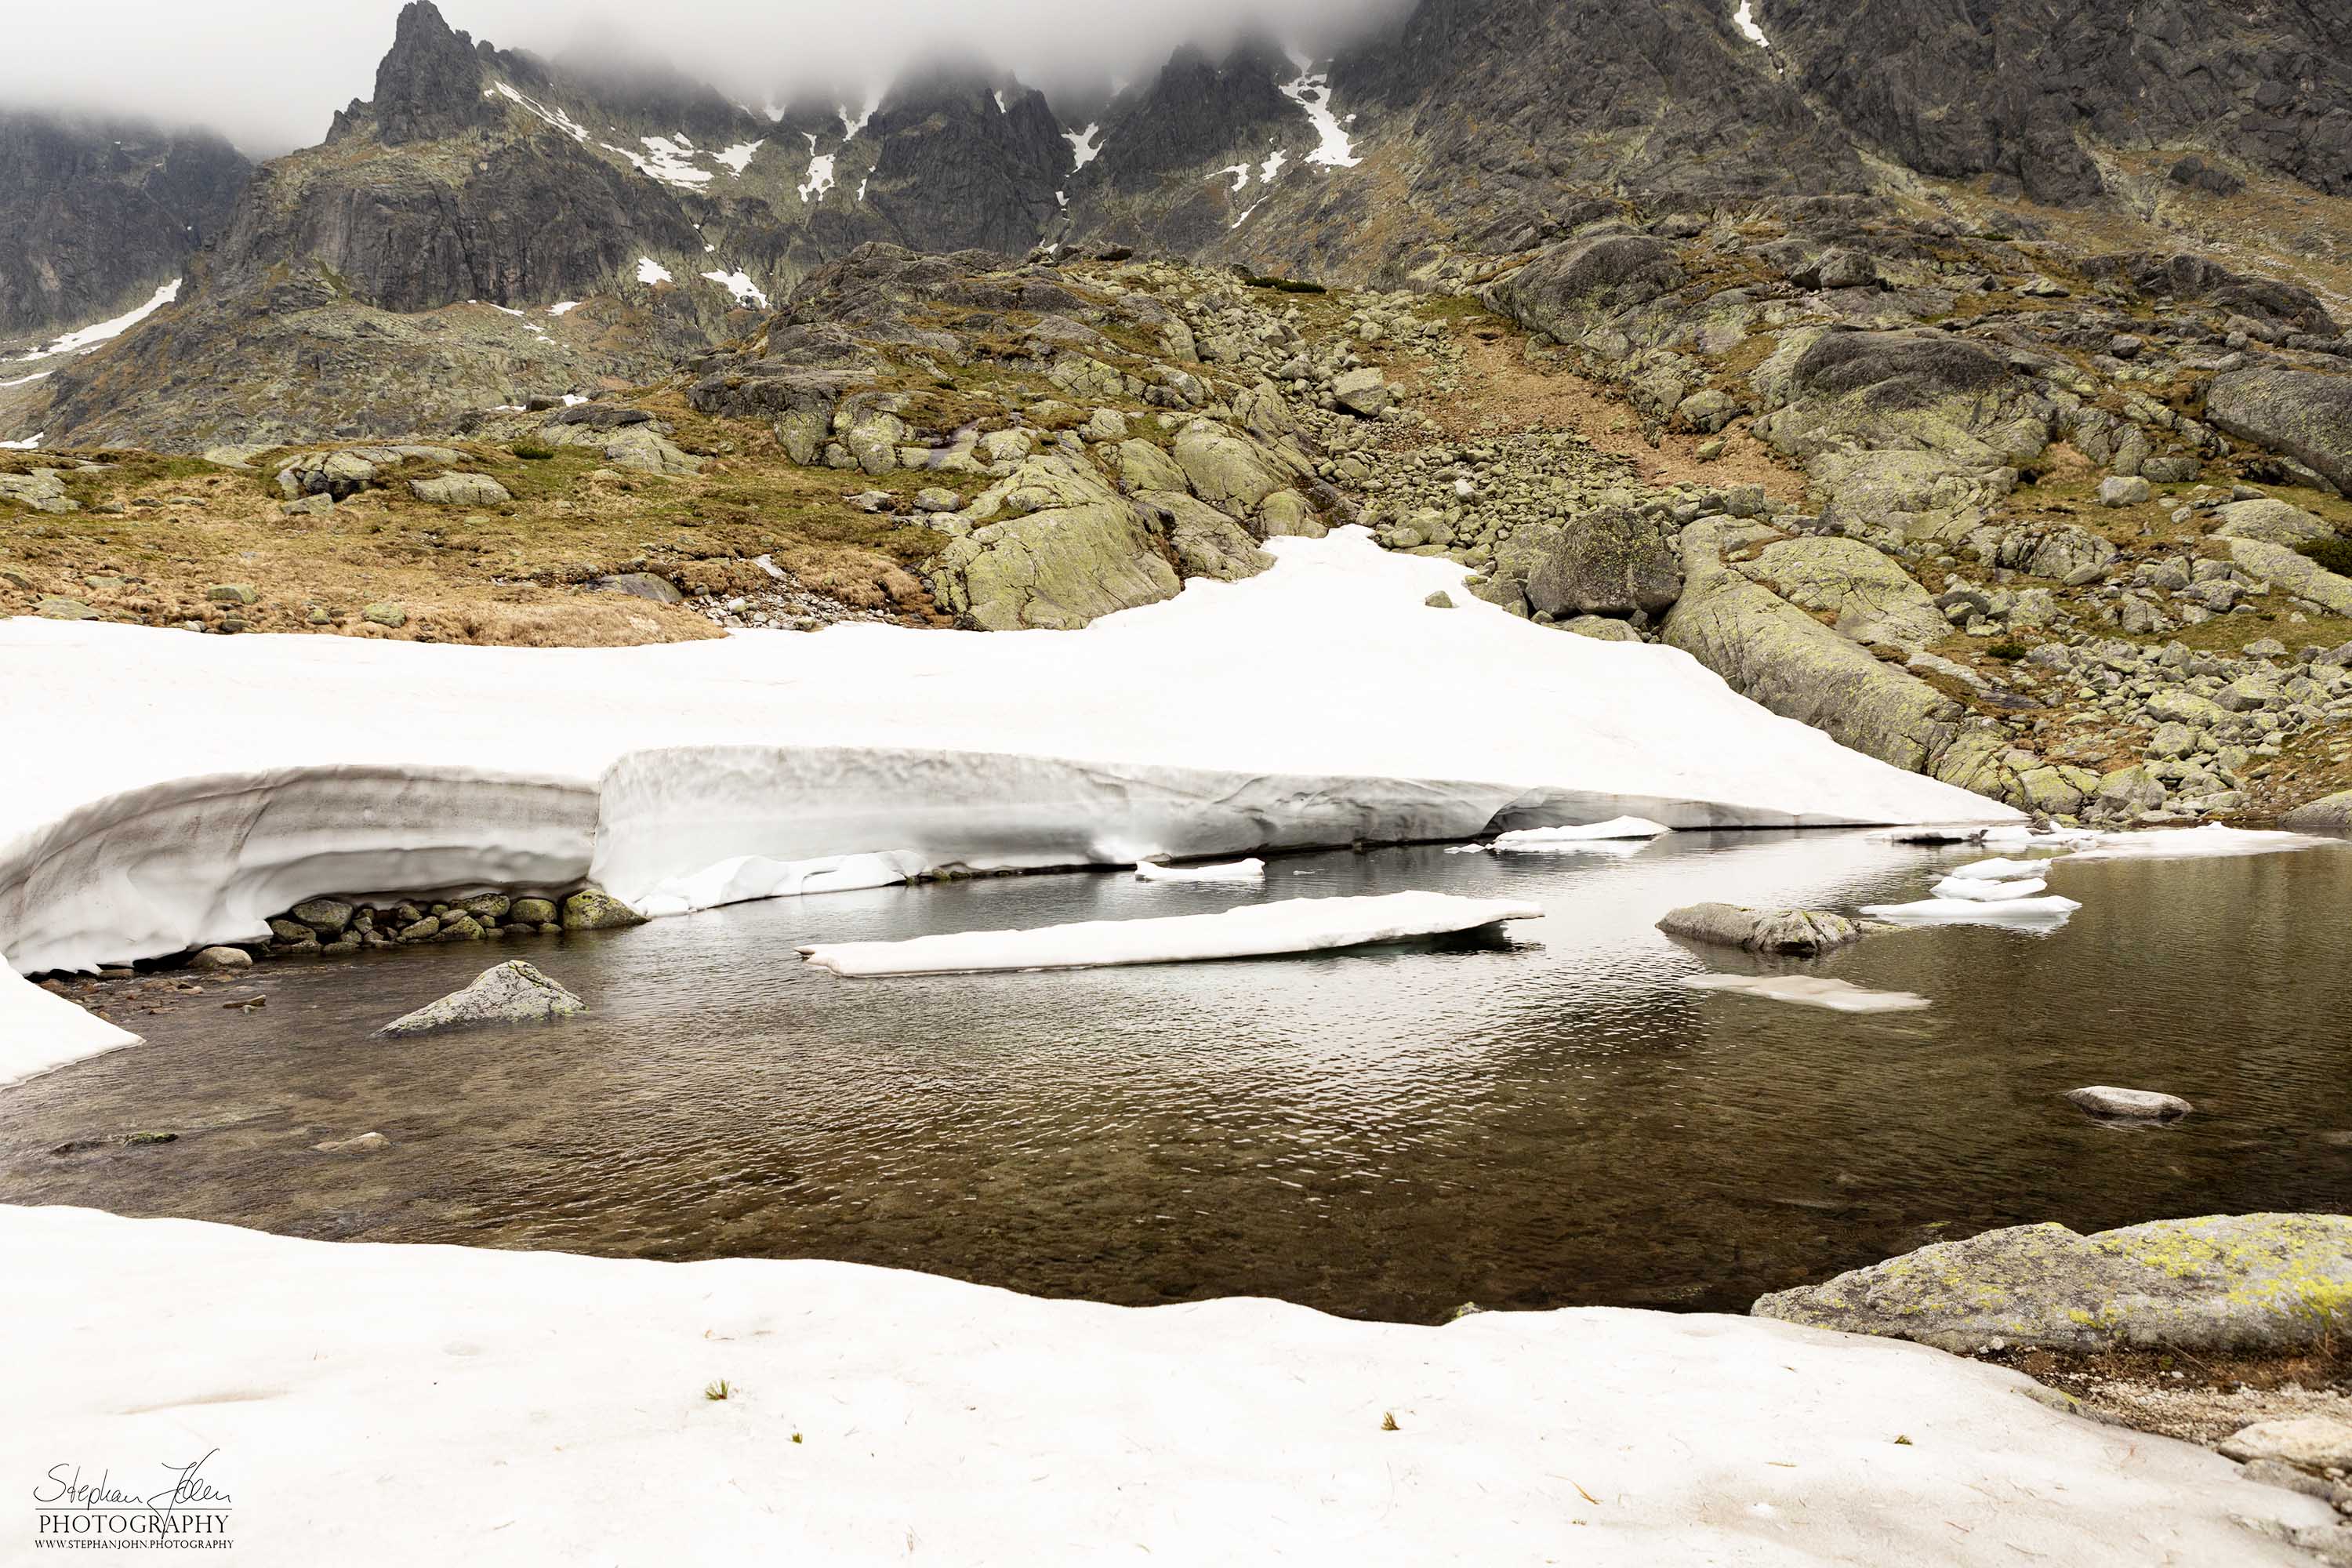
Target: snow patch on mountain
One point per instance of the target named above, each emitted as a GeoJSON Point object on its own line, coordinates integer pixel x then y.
{"type": "Point", "coordinates": [820, 177]}
{"type": "Point", "coordinates": [1745, 20]}
{"type": "Point", "coordinates": [740, 284]}
{"type": "Point", "coordinates": [651, 271]}
{"type": "Point", "coordinates": [739, 156]}
{"type": "Point", "coordinates": [82, 340]}
{"type": "Point", "coordinates": [1311, 91]}
{"type": "Point", "coordinates": [1085, 145]}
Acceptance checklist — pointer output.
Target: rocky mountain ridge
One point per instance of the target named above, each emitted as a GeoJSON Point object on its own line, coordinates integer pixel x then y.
{"type": "Point", "coordinates": [97, 211]}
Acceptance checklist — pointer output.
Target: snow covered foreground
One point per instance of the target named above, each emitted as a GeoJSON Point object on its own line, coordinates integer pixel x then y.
{"type": "Point", "coordinates": [1314, 704]}
{"type": "Point", "coordinates": [402, 1405]}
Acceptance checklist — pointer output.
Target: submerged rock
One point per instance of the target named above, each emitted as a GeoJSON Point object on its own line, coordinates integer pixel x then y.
{"type": "Point", "coordinates": [2135, 1104]}
{"type": "Point", "coordinates": [511, 992]}
{"type": "Point", "coordinates": [2261, 1283]}
{"type": "Point", "coordinates": [1796, 933]}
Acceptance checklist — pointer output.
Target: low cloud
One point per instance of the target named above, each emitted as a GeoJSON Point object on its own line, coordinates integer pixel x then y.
{"type": "Point", "coordinates": [270, 74]}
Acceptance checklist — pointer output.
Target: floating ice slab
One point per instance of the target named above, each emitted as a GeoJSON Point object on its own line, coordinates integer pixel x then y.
{"type": "Point", "coordinates": [1810, 991]}
{"type": "Point", "coordinates": [2050, 910]}
{"type": "Point", "coordinates": [1537, 840]}
{"type": "Point", "coordinates": [1250, 870]}
{"type": "Point", "coordinates": [2195, 843]}
{"type": "Point", "coordinates": [1254, 931]}
{"type": "Point", "coordinates": [273, 768]}
{"type": "Point", "coordinates": [1998, 869]}
{"type": "Point", "coordinates": [1235, 1431]}
{"type": "Point", "coordinates": [1977, 889]}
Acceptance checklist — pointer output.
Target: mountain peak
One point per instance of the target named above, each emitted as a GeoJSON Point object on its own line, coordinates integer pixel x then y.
{"type": "Point", "coordinates": [430, 83]}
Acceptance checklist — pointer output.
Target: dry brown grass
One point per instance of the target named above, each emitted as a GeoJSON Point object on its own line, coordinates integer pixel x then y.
{"type": "Point", "coordinates": [515, 573]}
{"type": "Point", "coordinates": [1501, 391]}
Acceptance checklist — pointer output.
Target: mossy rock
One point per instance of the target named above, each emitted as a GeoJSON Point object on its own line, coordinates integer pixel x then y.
{"type": "Point", "coordinates": [2232, 1284]}
{"type": "Point", "coordinates": [592, 908]}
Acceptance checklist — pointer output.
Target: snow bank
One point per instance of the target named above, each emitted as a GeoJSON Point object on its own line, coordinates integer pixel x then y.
{"type": "Point", "coordinates": [373, 1404]}
{"type": "Point", "coordinates": [650, 271]}
{"type": "Point", "coordinates": [28, 444]}
{"type": "Point", "coordinates": [1810, 991]}
{"type": "Point", "coordinates": [1085, 146]}
{"type": "Point", "coordinates": [1192, 728]}
{"type": "Point", "coordinates": [1251, 870]}
{"type": "Point", "coordinates": [1745, 20]}
{"type": "Point", "coordinates": [1253, 930]}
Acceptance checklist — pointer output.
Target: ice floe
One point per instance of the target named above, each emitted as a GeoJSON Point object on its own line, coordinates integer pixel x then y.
{"type": "Point", "coordinates": [741, 878]}
{"type": "Point", "coordinates": [1982, 890]}
{"type": "Point", "coordinates": [1250, 870]}
{"type": "Point", "coordinates": [1232, 1431]}
{"type": "Point", "coordinates": [1543, 840]}
{"type": "Point", "coordinates": [2048, 909]}
{"type": "Point", "coordinates": [1810, 991]}
{"type": "Point", "coordinates": [276, 768]}
{"type": "Point", "coordinates": [1253, 930]}
{"type": "Point", "coordinates": [2000, 868]}
{"type": "Point", "coordinates": [2195, 843]}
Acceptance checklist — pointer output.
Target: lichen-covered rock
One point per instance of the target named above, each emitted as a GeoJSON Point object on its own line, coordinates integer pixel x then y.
{"type": "Point", "coordinates": [1226, 470]}
{"type": "Point", "coordinates": [592, 908]}
{"type": "Point", "coordinates": [1569, 284]}
{"type": "Point", "coordinates": [2298, 574]}
{"type": "Point", "coordinates": [2273, 522]}
{"type": "Point", "coordinates": [2236, 1283]}
{"type": "Point", "coordinates": [2301, 413]}
{"type": "Point", "coordinates": [1920, 389]}
{"type": "Point", "coordinates": [1207, 543]}
{"type": "Point", "coordinates": [2328, 814]}
{"type": "Point", "coordinates": [1774, 654]}
{"type": "Point", "coordinates": [1613, 562]}
{"type": "Point", "coordinates": [1362, 392]}
{"type": "Point", "coordinates": [324, 916]}
{"type": "Point", "coordinates": [510, 993]}
{"type": "Point", "coordinates": [1873, 597]}
{"type": "Point", "coordinates": [1798, 933]}
{"type": "Point", "coordinates": [532, 911]}
{"type": "Point", "coordinates": [460, 489]}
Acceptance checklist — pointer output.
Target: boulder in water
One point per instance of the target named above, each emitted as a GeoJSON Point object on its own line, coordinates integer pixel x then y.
{"type": "Point", "coordinates": [510, 993]}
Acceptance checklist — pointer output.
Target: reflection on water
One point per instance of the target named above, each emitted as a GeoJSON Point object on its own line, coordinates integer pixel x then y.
{"type": "Point", "coordinates": [1547, 1120]}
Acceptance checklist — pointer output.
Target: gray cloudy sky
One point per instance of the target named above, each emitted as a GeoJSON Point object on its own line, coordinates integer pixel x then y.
{"type": "Point", "coordinates": [269, 73]}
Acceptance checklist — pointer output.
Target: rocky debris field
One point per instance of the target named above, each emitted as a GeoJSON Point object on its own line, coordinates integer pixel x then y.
{"type": "Point", "coordinates": [2061, 528]}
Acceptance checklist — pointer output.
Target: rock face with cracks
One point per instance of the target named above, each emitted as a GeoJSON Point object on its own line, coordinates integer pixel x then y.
{"type": "Point", "coordinates": [510, 993]}
{"type": "Point", "coordinates": [2234, 1284]}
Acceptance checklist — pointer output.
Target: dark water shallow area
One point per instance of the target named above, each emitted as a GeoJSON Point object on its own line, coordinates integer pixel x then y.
{"type": "Point", "coordinates": [1543, 1119]}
